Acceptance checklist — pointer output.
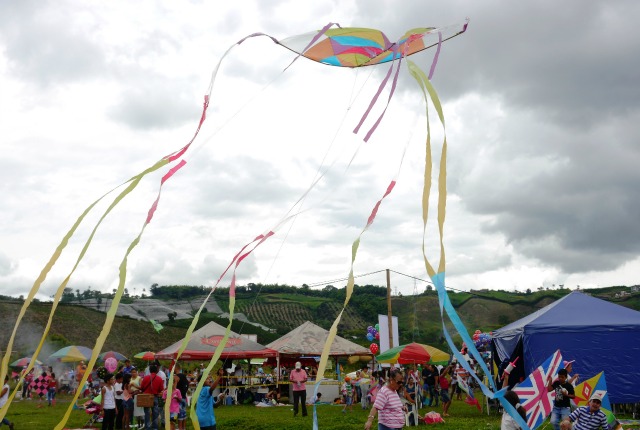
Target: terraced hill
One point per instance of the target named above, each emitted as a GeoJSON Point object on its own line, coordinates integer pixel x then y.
{"type": "Point", "coordinates": [280, 312]}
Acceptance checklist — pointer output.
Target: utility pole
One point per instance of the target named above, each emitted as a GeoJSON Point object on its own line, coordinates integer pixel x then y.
{"type": "Point", "coordinates": [416, 329]}
{"type": "Point", "coordinates": [390, 319]}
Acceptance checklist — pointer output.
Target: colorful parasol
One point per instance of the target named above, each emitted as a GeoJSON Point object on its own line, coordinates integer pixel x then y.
{"type": "Point", "coordinates": [114, 354]}
{"type": "Point", "coordinates": [413, 353]}
{"type": "Point", "coordinates": [146, 355]}
{"type": "Point", "coordinates": [70, 354]}
{"type": "Point", "coordinates": [24, 361]}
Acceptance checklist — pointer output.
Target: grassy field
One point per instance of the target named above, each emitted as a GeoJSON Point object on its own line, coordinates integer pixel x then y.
{"type": "Point", "coordinates": [26, 415]}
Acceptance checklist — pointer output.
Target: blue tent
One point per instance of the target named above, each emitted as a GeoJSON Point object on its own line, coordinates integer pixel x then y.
{"type": "Point", "coordinates": [598, 335]}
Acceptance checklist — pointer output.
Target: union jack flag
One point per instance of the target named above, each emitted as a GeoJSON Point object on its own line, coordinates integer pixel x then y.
{"type": "Point", "coordinates": [534, 397]}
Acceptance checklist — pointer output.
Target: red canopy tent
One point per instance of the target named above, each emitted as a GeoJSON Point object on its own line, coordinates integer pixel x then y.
{"type": "Point", "coordinates": [205, 341]}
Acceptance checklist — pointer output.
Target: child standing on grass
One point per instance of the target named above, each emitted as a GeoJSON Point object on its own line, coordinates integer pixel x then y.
{"type": "Point", "coordinates": [127, 401]}
{"type": "Point", "coordinates": [175, 399]}
{"type": "Point", "coordinates": [52, 388]}
{"type": "Point", "coordinates": [108, 403]}
{"type": "Point", "coordinates": [347, 392]}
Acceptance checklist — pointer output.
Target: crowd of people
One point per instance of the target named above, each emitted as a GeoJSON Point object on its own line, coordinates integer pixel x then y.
{"type": "Point", "coordinates": [132, 398]}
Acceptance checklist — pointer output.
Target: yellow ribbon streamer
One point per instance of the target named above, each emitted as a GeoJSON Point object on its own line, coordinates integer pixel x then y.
{"type": "Point", "coordinates": [427, 88]}
{"type": "Point", "coordinates": [322, 365]}
{"type": "Point", "coordinates": [133, 182]}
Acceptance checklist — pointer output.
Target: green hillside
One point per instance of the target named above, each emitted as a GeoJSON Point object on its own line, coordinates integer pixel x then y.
{"type": "Point", "coordinates": [282, 308]}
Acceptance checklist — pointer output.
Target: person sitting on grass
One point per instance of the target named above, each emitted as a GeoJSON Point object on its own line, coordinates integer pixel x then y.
{"type": "Point", "coordinates": [273, 396]}
{"type": "Point", "coordinates": [315, 399]}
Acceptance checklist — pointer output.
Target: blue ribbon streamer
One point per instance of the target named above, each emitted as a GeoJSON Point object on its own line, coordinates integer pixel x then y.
{"type": "Point", "coordinates": [446, 306]}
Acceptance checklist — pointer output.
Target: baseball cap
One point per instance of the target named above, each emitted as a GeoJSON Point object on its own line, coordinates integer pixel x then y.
{"type": "Point", "coordinates": [565, 363]}
{"type": "Point", "coordinates": [597, 395]}
{"type": "Point", "coordinates": [298, 365]}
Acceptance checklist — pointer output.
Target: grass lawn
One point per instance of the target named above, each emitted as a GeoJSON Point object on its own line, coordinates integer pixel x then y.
{"type": "Point", "coordinates": [26, 415]}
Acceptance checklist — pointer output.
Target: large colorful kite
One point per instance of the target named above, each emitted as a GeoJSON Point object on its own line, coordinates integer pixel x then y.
{"type": "Point", "coordinates": [332, 45]}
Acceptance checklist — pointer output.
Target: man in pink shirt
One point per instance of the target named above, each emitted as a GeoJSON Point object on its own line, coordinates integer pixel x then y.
{"type": "Point", "coordinates": [298, 377]}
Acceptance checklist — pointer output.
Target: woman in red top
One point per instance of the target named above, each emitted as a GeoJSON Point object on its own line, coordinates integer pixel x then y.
{"type": "Point", "coordinates": [444, 391]}
{"type": "Point", "coordinates": [52, 388]}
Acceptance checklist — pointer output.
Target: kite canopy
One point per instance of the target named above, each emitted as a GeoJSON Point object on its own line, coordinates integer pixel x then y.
{"type": "Point", "coordinates": [357, 47]}
{"type": "Point", "coordinates": [413, 353]}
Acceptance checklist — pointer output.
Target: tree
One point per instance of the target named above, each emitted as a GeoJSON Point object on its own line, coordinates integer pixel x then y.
{"type": "Point", "coordinates": [528, 291]}
{"type": "Point", "coordinates": [67, 295]}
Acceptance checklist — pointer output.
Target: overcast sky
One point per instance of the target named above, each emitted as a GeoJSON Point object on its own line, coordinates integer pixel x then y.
{"type": "Point", "coordinates": [542, 112]}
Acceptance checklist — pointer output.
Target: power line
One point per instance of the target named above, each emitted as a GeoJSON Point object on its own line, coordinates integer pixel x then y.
{"type": "Point", "coordinates": [318, 284]}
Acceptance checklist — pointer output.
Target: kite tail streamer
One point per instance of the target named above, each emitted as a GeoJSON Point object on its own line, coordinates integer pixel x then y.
{"type": "Point", "coordinates": [436, 56]}
{"type": "Point", "coordinates": [240, 256]}
{"type": "Point", "coordinates": [54, 258]}
{"type": "Point", "coordinates": [375, 98]}
{"type": "Point", "coordinates": [133, 182]}
{"type": "Point", "coordinates": [438, 277]}
{"type": "Point", "coordinates": [349, 291]}
{"type": "Point", "coordinates": [111, 313]}
{"type": "Point", "coordinates": [391, 92]}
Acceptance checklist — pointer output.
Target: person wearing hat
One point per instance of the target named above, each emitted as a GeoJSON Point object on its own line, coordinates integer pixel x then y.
{"type": "Point", "coordinates": [569, 366]}
{"type": "Point", "coordinates": [588, 417]}
{"type": "Point", "coordinates": [298, 377]}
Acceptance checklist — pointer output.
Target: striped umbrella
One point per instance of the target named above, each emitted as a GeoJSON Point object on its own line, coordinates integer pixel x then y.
{"type": "Point", "coordinates": [24, 361]}
{"type": "Point", "coordinates": [145, 355]}
{"type": "Point", "coordinates": [114, 354]}
{"type": "Point", "coordinates": [413, 353]}
{"type": "Point", "coordinates": [70, 354]}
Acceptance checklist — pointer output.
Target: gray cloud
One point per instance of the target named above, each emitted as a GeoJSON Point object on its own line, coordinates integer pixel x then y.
{"type": "Point", "coordinates": [47, 46]}
{"type": "Point", "coordinates": [155, 102]}
{"type": "Point", "coordinates": [6, 265]}
{"type": "Point", "coordinates": [555, 170]}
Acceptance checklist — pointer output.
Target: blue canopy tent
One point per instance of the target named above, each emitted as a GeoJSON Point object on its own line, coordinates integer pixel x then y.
{"type": "Point", "coordinates": [598, 335]}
